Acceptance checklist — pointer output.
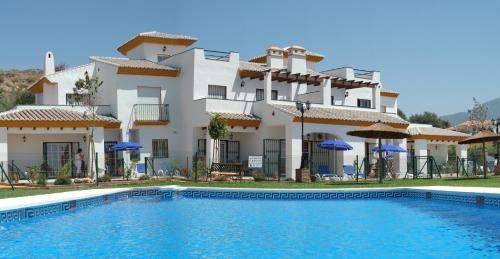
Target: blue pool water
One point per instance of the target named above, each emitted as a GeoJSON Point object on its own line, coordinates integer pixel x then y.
{"type": "Point", "coordinates": [194, 228]}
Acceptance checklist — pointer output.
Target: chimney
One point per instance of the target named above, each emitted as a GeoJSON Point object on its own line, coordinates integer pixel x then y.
{"type": "Point", "coordinates": [49, 66]}
{"type": "Point", "coordinates": [297, 59]}
{"type": "Point", "coordinates": [275, 57]}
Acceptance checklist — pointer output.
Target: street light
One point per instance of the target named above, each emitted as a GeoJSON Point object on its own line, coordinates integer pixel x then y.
{"type": "Point", "coordinates": [302, 107]}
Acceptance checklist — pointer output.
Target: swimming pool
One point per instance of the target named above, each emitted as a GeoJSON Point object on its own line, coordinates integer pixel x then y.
{"type": "Point", "coordinates": [186, 225]}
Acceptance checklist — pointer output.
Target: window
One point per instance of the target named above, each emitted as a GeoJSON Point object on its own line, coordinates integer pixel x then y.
{"type": "Point", "coordinates": [364, 103]}
{"type": "Point", "coordinates": [259, 94]}
{"type": "Point", "coordinates": [274, 95]}
{"type": "Point", "coordinates": [160, 148]}
{"type": "Point", "coordinates": [332, 100]}
{"type": "Point", "coordinates": [77, 99]}
{"type": "Point", "coordinates": [162, 57]}
{"type": "Point", "coordinates": [217, 92]}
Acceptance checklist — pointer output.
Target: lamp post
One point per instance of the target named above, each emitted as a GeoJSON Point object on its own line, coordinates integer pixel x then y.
{"type": "Point", "coordinates": [302, 107]}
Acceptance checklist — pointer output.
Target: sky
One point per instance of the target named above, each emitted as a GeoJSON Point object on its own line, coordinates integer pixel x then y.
{"type": "Point", "coordinates": [437, 54]}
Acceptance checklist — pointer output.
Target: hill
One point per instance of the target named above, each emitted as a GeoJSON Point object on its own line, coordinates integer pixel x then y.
{"type": "Point", "coordinates": [493, 112]}
{"type": "Point", "coordinates": [14, 84]}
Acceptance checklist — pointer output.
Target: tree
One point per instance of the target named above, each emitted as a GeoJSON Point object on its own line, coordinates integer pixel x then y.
{"type": "Point", "coordinates": [85, 92]}
{"type": "Point", "coordinates": [401, 114]}
{"type": "Point", "coordinates": [429, 118]}
{"type": "Point", "coordinates": [217, 129]}
{"type": "Point", "coordinates": [25, 97]}
{"type": "Point", "coordinates": [479, 113]}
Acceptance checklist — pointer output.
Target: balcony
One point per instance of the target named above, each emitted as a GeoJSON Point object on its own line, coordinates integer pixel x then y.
{"type": "Point", "coordinates": [151, 114]}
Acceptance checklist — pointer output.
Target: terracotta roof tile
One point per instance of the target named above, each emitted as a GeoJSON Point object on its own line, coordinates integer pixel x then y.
{"type": "Point", "coordinates": [415, 131]}
{"type": "Point", "coordinates": [236, 116]}
{"type": "Point", "coordinates": [132, 63]}
{"type": "Point", "coordinates": [52, 115]}
{"type": "Point", "coordinates": [341, 114]}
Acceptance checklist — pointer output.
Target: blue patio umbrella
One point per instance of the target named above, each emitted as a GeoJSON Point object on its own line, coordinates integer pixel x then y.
{"type": "Point", "coordinates": [335, 145]}
{"type": "Point", "coordinates": [389, 148]}
{"type": "Point", "coordinates": [125, 146]}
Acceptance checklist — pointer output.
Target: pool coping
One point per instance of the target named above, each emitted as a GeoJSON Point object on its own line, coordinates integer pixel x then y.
{"type": "Point", "coordinates": [20, 208]}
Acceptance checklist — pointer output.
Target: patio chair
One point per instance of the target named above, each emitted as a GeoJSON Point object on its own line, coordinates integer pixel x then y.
{"type": "Point", "coordinates": [141, 168]}
{"type": "Point", "coordinates": [324, 172]}
{"type": "Point", "coordinates": [349, 171]}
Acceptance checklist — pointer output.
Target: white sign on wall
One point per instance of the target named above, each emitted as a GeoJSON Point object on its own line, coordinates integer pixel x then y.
{"type": "Point", "coordinates": [254, 161]}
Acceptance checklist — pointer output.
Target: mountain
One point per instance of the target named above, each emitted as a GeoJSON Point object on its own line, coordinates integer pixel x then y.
{"type": "Point", "coordinates": [493, 112]}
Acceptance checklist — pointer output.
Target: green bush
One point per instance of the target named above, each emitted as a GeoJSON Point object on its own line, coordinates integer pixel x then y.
{"type": "Point", "coordinates": [65, 170]}
{"type": "Point", "coordinates": [258, 176]}
{"type": "Point", "coordinates": [62, 180]}
{"type": "Point", "coordinates": [33, 173]}
{"type": "Point", "coordinates": [41, 179]}
{"type": "Point", "coordinates": [105, 178]}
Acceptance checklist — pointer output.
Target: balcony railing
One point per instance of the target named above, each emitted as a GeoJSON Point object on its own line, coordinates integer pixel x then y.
{"type": "Point", "coordinates": [151, 114]}
{"type": "Point", "coordinates": [217, 55]}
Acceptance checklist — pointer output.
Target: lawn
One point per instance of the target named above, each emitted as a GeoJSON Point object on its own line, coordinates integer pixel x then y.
{"type": "Point", "coordinates": [470, 182]}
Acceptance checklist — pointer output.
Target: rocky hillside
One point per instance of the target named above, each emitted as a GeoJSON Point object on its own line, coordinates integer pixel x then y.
{"type": "Point", "coordinates": [13, 85]}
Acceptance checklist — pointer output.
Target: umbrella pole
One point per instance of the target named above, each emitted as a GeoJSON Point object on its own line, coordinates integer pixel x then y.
{"type": "Point", "coordinates": [485, 168]}
{"type": "Point", "coordinates": [380, 165]}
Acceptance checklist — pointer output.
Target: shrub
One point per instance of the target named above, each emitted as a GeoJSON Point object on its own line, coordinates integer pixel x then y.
{"type": "Point", "coordinates": [65, 169]}
{"type": "Point", "coordinates": [258, 176]}
{"type": "Point", "coordinates": [62, 180]}
{"type": "Point", "coordinates": [41, 179]}
{"type": "Point", "coordinates": [289, 179]}
{"type": "Point", "coordinates": [105, 178]}
{"type": "Point", "coordinates": [33, 173]}
{"type": "Point", "coordinates": [144, 177]}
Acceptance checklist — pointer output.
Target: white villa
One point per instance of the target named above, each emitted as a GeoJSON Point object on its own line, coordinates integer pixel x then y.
{"type": "Point", "coordinates": [163, 92]}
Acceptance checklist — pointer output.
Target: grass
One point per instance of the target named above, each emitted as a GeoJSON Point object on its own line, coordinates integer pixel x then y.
{"type": "Point", "coordinates": [468, 182]}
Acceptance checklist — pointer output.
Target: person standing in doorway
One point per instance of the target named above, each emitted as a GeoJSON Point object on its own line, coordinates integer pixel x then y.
{"type": "Point", "coordinates": [78, 162]}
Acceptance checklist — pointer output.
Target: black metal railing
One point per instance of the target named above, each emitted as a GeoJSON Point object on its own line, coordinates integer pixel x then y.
{"type": "Point", "coordinates": [360, 73]}
{"type": "Point", "coordinates": [151, 112]}
{"type": "Point", "coordinates": [217, 55]}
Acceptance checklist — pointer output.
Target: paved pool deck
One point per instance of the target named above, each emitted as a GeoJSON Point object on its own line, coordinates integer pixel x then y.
{"type": "Point", "coordinates": [44, 199]}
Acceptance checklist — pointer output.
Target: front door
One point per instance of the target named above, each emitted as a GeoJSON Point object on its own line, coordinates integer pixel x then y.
{"type": "Point", "coordinates": [55, 156]}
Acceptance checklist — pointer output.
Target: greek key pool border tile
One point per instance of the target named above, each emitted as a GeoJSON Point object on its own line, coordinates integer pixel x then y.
{"type": "Point", "coordinates": [253, 195]}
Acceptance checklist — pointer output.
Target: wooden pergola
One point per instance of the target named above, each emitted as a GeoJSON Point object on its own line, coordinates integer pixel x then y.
{"type": "Point", "coordinates": [282, 75]}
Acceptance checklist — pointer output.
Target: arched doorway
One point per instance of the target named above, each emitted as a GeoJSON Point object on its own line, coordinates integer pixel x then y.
{"type": "Point", "coordinates": [322, 157]}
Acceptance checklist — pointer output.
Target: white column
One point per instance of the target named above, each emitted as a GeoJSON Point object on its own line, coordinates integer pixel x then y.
{"type": "Point", "coordinates": [267, 87]}
{"type": "Point", "coordinates": [326, 90]}
{"type": "Point", "coordinates": [4, 150]}
{"type": "Point", "coordinates": [293, 148]}
{"type": "Point", "coordinates": [400, 159]}
{"type": "Point", "coordinates": [376, 97]}
{"type": "Point", "coordinates": [99, 149]}
{"type": "Point", "coordinates": [294, 88]}
{"type": "Point", "coordinates": [421, 150]}
{"type": "Point", "coordinates": [209, 149]}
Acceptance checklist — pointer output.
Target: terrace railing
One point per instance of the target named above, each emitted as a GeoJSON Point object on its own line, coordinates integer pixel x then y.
{"type": "Point", "coordinates": [151, 113]}
{"type": "Point", "coordinates": [217, 55]}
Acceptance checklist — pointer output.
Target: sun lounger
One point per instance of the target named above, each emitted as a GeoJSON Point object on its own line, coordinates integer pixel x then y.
{"type": "Point", "coordinates": [324, 172]}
